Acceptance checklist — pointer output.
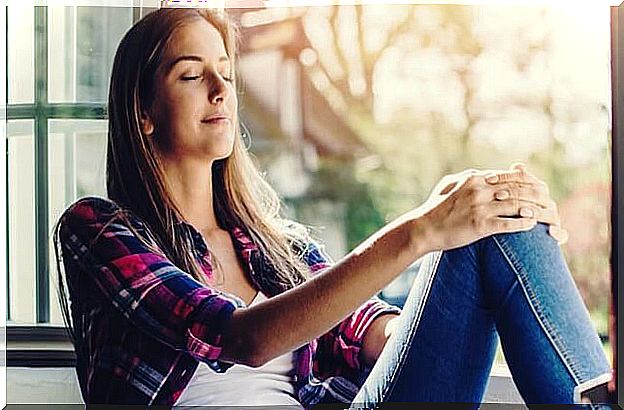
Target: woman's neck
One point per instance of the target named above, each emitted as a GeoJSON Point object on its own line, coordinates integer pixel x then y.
{"type": "Point", "coordinates": [191, 187]}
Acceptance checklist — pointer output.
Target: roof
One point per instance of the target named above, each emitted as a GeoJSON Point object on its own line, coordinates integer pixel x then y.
{"type": "Point", "coordinates": [322, 126]}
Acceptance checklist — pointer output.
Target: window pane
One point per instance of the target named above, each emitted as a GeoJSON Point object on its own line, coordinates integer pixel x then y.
{"type": "Point", "coordinates": [21, 209]}
{"type": "Point", "coordinates": [82, 43]}
{"type": "Point", "coordinates": [21, 54]}
{"type": "Point", "coordinates": [77, 153]}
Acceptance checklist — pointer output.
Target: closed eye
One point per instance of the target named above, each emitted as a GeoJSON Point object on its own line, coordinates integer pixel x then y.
{"type": "Point", "coordinates": [191, 78]}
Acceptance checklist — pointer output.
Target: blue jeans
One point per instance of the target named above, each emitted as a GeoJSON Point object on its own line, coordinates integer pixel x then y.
{"type": "Point", "coordinates": [513, 286]}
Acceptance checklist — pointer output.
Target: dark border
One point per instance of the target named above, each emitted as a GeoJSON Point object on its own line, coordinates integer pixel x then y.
{"type": "Point", "coordinates": [617, 222]}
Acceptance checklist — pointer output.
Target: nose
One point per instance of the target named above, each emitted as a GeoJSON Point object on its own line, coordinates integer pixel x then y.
{"type": "Point", "coordinates": [219, 90]}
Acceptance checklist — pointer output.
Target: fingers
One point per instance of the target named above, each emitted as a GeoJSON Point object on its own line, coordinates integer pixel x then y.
{"type": "Point", "coordinates": [550, 215]}
{"type": "Point", "coordinates": [506, 176]}
{"type": "Point", "coordinates": [448, 182]}
{"type": "Point", "coordinates": [528, 210]}
{"type": "Point", "coordinates": [526, 215]}
{"type": "Point", "coordinates": [510, 201]}
{"type": "Point", "coordinates": [448, 188]}
{"type": "Point", "coordinates": [531, 193]}
{"type": "Point", "coordinates": [521, 166]}
{"type": "Point", "coordinates": [502, 225]}
{"type": "Point", "coordinates": [560, 234]}
{"type": "Point", "coordinates": [536, 193]}
{"type": "Point", "coordinates": [518, 174]}
{"type": "Point", "coordinates": [515, 207]}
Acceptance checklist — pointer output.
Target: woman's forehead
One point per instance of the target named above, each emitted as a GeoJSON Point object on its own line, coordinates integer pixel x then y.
{"type": "Point", "coordinates": [198, 38]}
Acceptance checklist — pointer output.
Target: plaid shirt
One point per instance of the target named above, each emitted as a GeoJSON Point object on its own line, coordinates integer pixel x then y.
{"type": "Point", "coordinates": [142, 325]}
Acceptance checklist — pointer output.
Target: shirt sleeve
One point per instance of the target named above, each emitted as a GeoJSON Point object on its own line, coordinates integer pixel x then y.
{"type": "Point", "coordinates": [141, 283]}
{"type": "Point", "coordinates": [337, 351]}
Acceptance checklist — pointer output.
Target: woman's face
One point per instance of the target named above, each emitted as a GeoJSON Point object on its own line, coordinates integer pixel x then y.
{"type": "Point", "coordinates": [195, 105]}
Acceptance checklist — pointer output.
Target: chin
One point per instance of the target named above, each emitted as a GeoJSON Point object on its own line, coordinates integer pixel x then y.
{"type": "Point", "coordinates": [216, 146]}
{"type": "Point", "coordinates": [225, 153]}
{"type": "Point", "coordinates": [220, 157]}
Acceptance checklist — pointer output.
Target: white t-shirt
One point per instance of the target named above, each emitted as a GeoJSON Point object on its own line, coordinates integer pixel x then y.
{"type": "Point", "coordinates": [271, 384]}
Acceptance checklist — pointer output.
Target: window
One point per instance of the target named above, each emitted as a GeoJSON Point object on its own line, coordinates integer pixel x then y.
{"type": "Point", "coordinates": [59, 61]}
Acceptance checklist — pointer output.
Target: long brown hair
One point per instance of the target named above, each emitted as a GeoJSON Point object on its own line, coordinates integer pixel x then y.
{"type": "Point", "coordinates": [135, 179]}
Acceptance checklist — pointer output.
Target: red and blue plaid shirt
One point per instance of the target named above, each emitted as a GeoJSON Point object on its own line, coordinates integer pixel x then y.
{"type": "Point", "coordinates": [142, 325]}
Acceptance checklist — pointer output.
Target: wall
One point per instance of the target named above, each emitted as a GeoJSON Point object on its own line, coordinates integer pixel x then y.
{"type": "Point", "coordinates": [60, 385]}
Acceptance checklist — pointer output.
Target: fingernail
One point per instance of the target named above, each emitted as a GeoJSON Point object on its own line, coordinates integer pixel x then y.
{"type": "Point", "coordinates": [501, 195]}
{"type": "Point", "coordinates": [492, 178]}
{"type": "Point", "coordinates": [519, 165]}
{"type": "Point", "coordinates": [526, 212]}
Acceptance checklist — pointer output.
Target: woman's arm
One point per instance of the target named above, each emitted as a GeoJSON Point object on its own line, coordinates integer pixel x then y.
{"type": "Point", "coordinates": [469, 211]}
{"type": "Point", "coordinates": [293, 318]}
{"type": "Point", "coordinates": [376, 338]}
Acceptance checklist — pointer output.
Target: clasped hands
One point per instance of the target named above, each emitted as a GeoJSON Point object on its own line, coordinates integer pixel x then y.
{"type": "Point", "coordinates": [476, 203]}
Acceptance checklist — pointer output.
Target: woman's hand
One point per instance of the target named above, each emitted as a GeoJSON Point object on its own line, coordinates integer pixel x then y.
{"type": "Point", "coordinates": [474, 204]}
{"type": "Point", "coordinates": [531, 187]}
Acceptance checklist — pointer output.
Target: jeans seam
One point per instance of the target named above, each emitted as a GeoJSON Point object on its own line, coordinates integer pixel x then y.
{"type": "Point", "coordinates": [413, 326]}
{"type": "Point", "coordinates": [550, 331]}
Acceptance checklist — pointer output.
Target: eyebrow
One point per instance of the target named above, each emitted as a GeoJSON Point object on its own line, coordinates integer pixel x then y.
{"type": "Point", "coordinates": [192, 58]}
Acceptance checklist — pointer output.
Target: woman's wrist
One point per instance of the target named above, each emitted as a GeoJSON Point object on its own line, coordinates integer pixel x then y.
{"type": "Point", "coordinates": [422, 237]}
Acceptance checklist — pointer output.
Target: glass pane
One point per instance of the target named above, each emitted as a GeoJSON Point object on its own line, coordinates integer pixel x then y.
{"type": "Point", "coordinates": [467, 87]}
{"type": "Point", "coordinates": [77, 153]}
{"type": "Point", "coordinates": [21, 210]}
{"type": "Point", "coordinates": [21, 64]}
{"type": "Point", "coordinates": [84, 40]}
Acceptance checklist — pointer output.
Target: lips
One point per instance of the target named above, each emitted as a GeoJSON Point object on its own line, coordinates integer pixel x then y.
{"type": "Point", "coordinates": [216, 118]}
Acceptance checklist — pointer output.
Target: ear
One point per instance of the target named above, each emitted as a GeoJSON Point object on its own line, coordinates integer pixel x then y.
{"type": "Point", "coordinates": [147, 125]}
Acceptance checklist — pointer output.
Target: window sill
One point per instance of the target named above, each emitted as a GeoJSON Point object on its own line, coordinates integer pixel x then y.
{"type": "Point", "coordinates": [38, 346]}
{"type": "Point", "coordinates": [40, 358]}
{"type": "Point", "coordinates": [36, 333]}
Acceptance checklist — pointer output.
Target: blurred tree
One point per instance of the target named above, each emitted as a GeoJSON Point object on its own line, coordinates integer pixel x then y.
{"type": "Point", "coordinates": [335, 181]}
{"type": "Point", "coordinates": [437, 89]}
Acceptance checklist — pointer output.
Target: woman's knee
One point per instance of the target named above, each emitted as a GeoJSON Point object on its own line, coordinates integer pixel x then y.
{"type": "Point", "coordinates": [537, 236]}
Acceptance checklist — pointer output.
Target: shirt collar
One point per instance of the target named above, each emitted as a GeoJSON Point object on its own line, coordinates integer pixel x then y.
{"type": "Point", "coordinates": [243, 245]}
{"type": "Point", "coordinates": [241, 239]}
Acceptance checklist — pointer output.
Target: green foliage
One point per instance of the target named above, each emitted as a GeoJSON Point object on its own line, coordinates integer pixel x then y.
{"type": "Point", "coordinates": [335, 181]}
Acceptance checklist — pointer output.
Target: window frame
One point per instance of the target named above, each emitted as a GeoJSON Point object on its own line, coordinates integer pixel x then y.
{"type": "Point", "coordinates": [41, 111]}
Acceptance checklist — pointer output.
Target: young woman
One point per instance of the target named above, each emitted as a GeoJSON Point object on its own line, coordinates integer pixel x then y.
{"type": "Point", "coordinates": [187, 287]}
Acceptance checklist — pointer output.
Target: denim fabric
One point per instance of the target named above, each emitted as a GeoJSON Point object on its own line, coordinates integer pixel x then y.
{"type": "Point", "coordinates": [513, 286]}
